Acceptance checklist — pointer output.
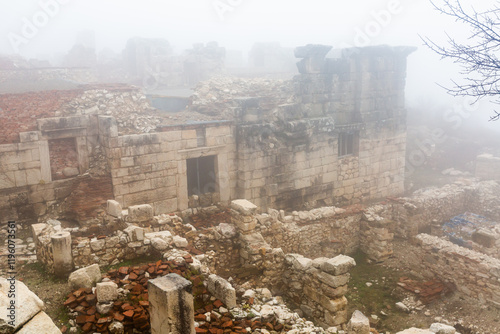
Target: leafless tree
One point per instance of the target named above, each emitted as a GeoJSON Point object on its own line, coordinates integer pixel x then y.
{"type": "Point", "coordinates": [478, 56]}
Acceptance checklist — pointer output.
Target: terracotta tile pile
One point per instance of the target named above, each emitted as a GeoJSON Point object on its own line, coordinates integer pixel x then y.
{"type": "Point", "coordinates": [224, 323]}
{"type": "Point", "coordinates": [133, 312]}
{"type": "Point", "coordinates": [426, 291]}
{"type": "Point", "coordinates": [204, 220]}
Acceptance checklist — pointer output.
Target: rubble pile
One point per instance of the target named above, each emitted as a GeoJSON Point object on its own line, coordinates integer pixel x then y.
{"type": "Point", "coordinates": [221, 94]}
{"type": "Point", "coordinates": [131, 310]}
{"type": "Point", "coordinates": [426, 291]}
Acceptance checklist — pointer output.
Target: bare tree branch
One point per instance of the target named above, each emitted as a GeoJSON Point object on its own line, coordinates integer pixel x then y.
{"type": "Point", "coordinates": [477, 56]}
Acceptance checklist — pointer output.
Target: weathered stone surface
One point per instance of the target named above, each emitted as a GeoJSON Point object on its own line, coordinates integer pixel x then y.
{"type": "Point", "coordinates": [41, 323]}
{"type": "Point", "coordinates": [85, 277]}
{"type": "Point", "coordinates": [222, 289]}
{"type": "Point", "coordinates": [359, 324]}
{"type": "Point", "coordinates": [244, 207]}
{"type": "Point", "coordinates": [442, 329]}
{"type": "Point", "coordinates": [106, 292]}
{"type": "Point", "coordinates": [135, 233]}
{"type": "Point", "coordinates": [114, 208]}
{"type": "Point", "coordinates": [338, 265]}
{"type": "Point", "coordinates": [180, 242]}
{"type": "Point", "coordinates": [27, 305]}
{"type": "Point", "coordinates": [227, 230]}
{"type": "Point", "coordinates": [333, 281]}
{"type": "Point", "coordinates": [159, 244]}
{"type": "Point", "coordinates": [140, 213]}
{"type": "Point", "coordinates": [171, 305]}
{"type": "Point", "coordinates": [298, 262]}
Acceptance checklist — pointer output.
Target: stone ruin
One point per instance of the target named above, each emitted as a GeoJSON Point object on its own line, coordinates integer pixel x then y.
{"type": "Point", "coordinates": [251, 212]}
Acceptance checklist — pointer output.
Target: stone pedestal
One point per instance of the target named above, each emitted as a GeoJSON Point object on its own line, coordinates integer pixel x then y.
{"type": "Point", "coordinates": [171, 305]}
{"type": "Point", "coordinates": [61, 250]}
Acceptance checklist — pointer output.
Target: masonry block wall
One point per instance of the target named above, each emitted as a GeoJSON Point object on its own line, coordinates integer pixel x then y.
{"type": "Point", "coordinates": [344, 139]}
{"type": "Point", "coordinates": [64, 119]}
{"type": "Point", "coordinates": [152, 168]}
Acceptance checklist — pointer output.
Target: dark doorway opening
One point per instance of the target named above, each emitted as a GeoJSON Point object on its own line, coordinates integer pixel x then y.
{"type": "Point", "coordinates": [201, 175]}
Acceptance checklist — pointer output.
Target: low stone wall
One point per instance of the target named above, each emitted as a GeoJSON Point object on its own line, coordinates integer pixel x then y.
{"type": "Point", "coordinates": [132, 242]}
{"type": "Point", "coordinates": [474, 274]}
{"type": "Point", "coordinates": [318, 286]}
{"type": "Point", "coordinates": [326, 231]}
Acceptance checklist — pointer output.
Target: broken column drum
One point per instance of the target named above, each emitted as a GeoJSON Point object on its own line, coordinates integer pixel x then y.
{"type": "Point", "coordinates": [171, 305]}
{"type": "Point", "coordinates": [61, 249]}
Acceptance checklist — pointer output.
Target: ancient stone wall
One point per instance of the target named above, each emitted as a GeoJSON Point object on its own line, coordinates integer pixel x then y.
{"type": "Point", "coordinates": [318, 286]}
{"type": "Point", "coordinates": [325, 231]}
{"type": "Point", "coordinates": [474, 274]}
{"type": "Point", "coordinates": [152, 168]}
{"type": "Point", "coordinates": [343, 139]}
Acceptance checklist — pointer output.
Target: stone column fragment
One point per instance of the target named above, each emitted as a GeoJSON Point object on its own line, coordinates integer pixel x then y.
{"type": "Point", "coordinates": [171, 305]}
{"type": "Point", "coordinates": [61, 251]}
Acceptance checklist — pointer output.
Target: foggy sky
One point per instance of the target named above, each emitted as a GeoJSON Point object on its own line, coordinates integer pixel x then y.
{"type": "Point", "coordinates": [237, 24]}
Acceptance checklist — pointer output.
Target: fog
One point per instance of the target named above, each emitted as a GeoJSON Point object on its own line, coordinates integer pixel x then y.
{"type": "Point", "coordinates": [238, 24]}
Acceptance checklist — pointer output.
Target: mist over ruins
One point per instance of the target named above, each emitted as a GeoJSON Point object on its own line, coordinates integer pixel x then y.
{"type": "Point", "coordinates": [213, 190]}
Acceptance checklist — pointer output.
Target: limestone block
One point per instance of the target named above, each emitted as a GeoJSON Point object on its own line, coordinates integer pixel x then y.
{"type": "Point", "coordinates": [227, 230]}
{"type": "Point", "coordinates": [159, 244]}
{"type": "Point", "coordinates": [85, 277]}
{"type": "Point", "coordinates": [135, 233]}
{"type": "Point", "coordinates": [359, 324]}
{"type": "Point", "coordinates": [244, 207]}
{"type": "Point", "coordinates": [140, 213]}
{"type": "Point", "coordinates": [338, 265]}
{"type": "Point", "coordinates": [442, 329]}
{"type": "Point", "coordinates": [27, 305]}
{"type": "Point", "coordinates": [171, 305]}
{"type": "Point", "coordinates": [28, 136]}
{"type": "Point", "coordinates": [97, 244]}
{"type": "Point", "coordinates": [114, 208]}
{"type": "Point", "coordinates": [41, 323]}
{"type": "Point", "coordinates": [164, 235]}
{"type": "Point", "coordinates": [298, 262]}
{"type": "Point", "coordinates": [222, 289]}
{"type": "Point", "coordinates": [106, 292]}
{"type": "Point", "coordinates": [333, 281]}
{"type": "Point", "coordinates": [180, 242]}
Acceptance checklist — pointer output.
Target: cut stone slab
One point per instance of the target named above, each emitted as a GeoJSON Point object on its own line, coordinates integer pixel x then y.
{"type": "Point", "coordinates": [338, 265]}
{"type": "Point", "coordinates": [135, 233]}
{"type": "Point", "coordinates": [41, 323]}
{"type": "Point", "coordinates": [85, 277]}
{"type": "Point", "coordinates": [27, 305]}
{"type": "Point", "coordinates": [140, 213]}
{"type": "Point", "coordinates": [114, 208]}
{"type": "Point", "coordinates": [359, 324]}
{"type": "Point", "coordinates": [222, 290]}
{"type": "Point", "coordinates": [244, 207]}
{"type": "Point", "coordinates": [106, 292]}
